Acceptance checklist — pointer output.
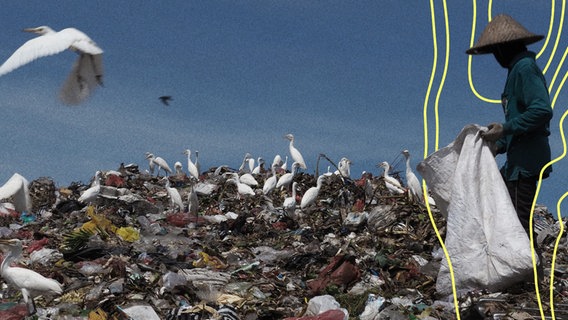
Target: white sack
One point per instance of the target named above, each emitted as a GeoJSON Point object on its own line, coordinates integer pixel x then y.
{"type": "Point", "coordinates": [487, 244]}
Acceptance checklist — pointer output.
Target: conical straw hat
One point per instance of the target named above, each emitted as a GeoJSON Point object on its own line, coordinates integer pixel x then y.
{"type": "Point", "coordinates": [502, 29]}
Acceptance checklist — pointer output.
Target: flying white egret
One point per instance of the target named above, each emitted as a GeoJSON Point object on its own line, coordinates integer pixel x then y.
{"type": "Point", "coordinates": [411, 180]}
{"type": "Point", "coordinates": [158, 161]}
{"type": "Point", "coordinates": [28, 281]}
{"type": "Point", "coordinates": [286, 179]}
{"type": "Point", "coordinates": [295, 153]}
{"type": "Point", "coordinates": [311, 195]}
{"type": "Point", "coordinates": [93, 191]}
{"type": "Point", "coordinates": [191, 167]}
{"type": "Point", "coordinates": [173, 193]}
{"type": "Point", "coordinates": [17, 188]}
{"type": "Point", "coordinates": [391, 183]}
{"type": "Point", "coordinates": [242, 188]}
{"type": "Point", "coordinates": [289, 204]}
{"type": "Point", "coordinates": [87, 71]}
{"type": "Point", "coordinates": [270, 182]}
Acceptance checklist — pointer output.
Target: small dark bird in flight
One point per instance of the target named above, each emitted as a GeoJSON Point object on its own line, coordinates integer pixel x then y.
{"type": "Point", "coordinates": [166, 100]}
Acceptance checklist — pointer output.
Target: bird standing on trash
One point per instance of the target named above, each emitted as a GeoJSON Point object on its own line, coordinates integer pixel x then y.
{"type": "Point", "coordinates": [270, 182]}
{"type": "Point", "coordinates": [93, 191]}
{"type": "Point", "coordinates": [87, 72]}
{"type": "Point", "coordinates": [294, 152]}
{"type": "Point", "coordinates": [391, 183]}
{"type": "Point", "coordinates": [311, 195]}
{"type": "Point", "coordinates": [289, 204]}
{"type": "Point", "coordinates": [28, 281]}
{"type": "Point", "coordinates": [286, 179]}
{"type": "Point", "coordinates": [191, 167]}
{"type": "Point", "coordinates": [411, 180]}
{"type": "Point", "coordinates": [173, 193]}
{"type": "Point", "coordinates": [161, 163]}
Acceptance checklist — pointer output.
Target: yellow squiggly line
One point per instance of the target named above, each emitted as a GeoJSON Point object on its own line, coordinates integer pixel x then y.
{"type": "Point", "coordinates": [432, 74]}
{"type": "Point", "coordinates": [444, 74]}
{"type": "Point", "coordinates": [469, 59]}
{"type": "Point", "coordinates": [549, 33]}
{"type": "Point", "coordinates": [559, 89]}
{"type": "Point", "coordinates": [424, 187]}
{"type": "Point", "coordinates": [557, 70]}
{"type": "Point", "coordinates": [561, 23]}
{"type": "Point", "coordinates": [532, 216]}
{"type": "Point", "coordinates": [560, 232]}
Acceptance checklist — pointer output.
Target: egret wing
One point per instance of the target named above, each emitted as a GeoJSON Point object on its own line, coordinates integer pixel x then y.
{"type": "Point", "coordinates": [31, 280]}
{"type": "Point", "coordinates": [79, 41]}
{"type": "Point", "coordinates": [35, 48]}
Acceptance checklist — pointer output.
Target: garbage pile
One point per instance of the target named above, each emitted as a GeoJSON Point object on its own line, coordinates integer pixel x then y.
{"type": "Point", "coordinates": [124, 247]}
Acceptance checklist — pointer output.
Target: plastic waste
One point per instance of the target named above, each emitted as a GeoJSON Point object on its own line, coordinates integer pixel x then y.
{"type": "Point", "coordinates": [129, 234]}
{"type": "Point", "coordinates": [320, 304]}
{"type": "Point", "coordinates": [372, 307]}
{"type": "Point", "coordinates": [141, 313]}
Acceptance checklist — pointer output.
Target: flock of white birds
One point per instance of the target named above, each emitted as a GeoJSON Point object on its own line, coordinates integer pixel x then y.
{"type": "Point", "coordinates": [85, 75]}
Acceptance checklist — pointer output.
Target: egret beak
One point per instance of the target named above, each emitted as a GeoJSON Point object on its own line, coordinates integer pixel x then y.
{"type": "Point", "coordinates": [31, 30]}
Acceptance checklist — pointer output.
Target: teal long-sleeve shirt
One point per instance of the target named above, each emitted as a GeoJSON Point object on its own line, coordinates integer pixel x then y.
{"type": "Point", "coordinates": [528, 111]}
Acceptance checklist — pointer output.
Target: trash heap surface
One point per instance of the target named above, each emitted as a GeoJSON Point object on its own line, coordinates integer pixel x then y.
{"type": "Point", "coordinates": [357, 253]}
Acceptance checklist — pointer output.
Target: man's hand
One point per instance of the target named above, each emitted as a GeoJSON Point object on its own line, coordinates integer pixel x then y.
{"type": "Point", "coordinates": [494, 132]}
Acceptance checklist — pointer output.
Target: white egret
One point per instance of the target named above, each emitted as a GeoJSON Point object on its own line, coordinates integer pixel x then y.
{"type": "Point", "coordinates": [286, 179]}
{"type": "Point", "coordinates": [277, 160]}
{"type": "Point", "coordinates": [173, 194]}
{"type": "Point", "coordinates": [311, 195]}
{"type": "Point", "coordinates": [158, 161]}
{"type": "Point", "coordinates": [248, 179]}
{"type": "Point", "coordinates": [260, 167]}
{"type": "Point", "coordinates": [191, 167]}
{"type": "Point", "coordinates": [250, 164]}
{"type": "Point", "coordinates": [270, 182]}
{"type": "Point", "coordinates": [344, 168]}
{"type": "Point", "coordinates": [284, 166]}
{"type": "Point", "coordinates": [17, 188]}
{"type": "Point", "coordinates": [295, 153]}
{"type": "Point", "coordinates": [87, 71]}
{"type": "Point", "coordinates": [411, 180]}
{"type": "Point", "coordinates": [391, 183]}
{"type": "Point", "coordinates": [178, 167]}
{"type": "Point", "coordinates": [28, 281]}
{"type": "Point", "coordinates": [242, 188]}
{"type": "Point", "coordinates": [93, 191]}
{"type": "Point", "coordinates": [289, 204]}
{"type": "Point", "coordinates": [245, 164]}
{"type": "Point", "coordinates": [192, 201]}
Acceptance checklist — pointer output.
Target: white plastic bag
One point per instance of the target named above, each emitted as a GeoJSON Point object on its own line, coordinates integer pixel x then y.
{"type": "Point", "coordinates": [487, 244]}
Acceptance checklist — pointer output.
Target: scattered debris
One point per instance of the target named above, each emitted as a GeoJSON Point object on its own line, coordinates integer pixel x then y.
{"type": "Point", "coordinates": [358, 252]}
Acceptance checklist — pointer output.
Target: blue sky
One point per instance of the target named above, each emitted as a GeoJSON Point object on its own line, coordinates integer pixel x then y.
{"type": "Point", "coordinates": [347, 78]}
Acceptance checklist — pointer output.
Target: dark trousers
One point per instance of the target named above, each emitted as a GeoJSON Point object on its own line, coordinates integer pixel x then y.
{"type": "Point", "coordinates": [522, 194]}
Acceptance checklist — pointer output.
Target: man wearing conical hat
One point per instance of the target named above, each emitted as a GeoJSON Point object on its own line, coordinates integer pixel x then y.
{"type": "Point", "coordinates": [523, 136]}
